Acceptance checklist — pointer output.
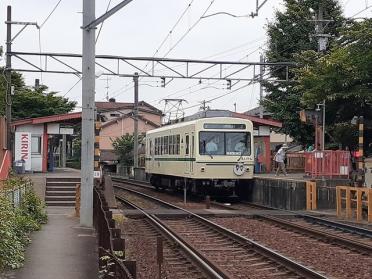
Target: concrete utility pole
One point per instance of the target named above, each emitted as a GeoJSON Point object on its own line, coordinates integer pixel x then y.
{"type": "Point", "coordinates": [322, 46]}
{"type": "Point", "coordinates": [8, 76]}
{"type": "Point", "coordinates": [88, 115]}
{"type": "Point", "coordinates": [135, 115]}
{"type": "Point", "coordinates": [261, 87]}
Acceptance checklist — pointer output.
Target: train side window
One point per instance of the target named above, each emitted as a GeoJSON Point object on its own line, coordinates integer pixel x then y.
{"type": "Point", "coordinates": [166, 145]}
{"type": "Point", "coordinates": [161, 145]}
{"type": "Point", "coordinates": [171, 145]}
{"type": "Point", "coordinates": [187, 143]}
{"type": "Point", "coordinates": [178, 145]}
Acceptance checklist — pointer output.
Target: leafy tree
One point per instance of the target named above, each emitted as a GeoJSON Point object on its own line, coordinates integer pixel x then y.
{"type": "Point", "coordinates": [123, 147]}
{"type": "Point", "coordinates": [290, 33]}
{"type": "Point", "coordinates": [29, 102]}
{"type": "Point", "coordinates": [343, 78]}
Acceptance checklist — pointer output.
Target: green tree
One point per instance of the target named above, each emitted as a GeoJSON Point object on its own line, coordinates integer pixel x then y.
{"type": "Point", "coordinates": [289, 34]}
{"type": "Point", "coordinates": [29, 102]}
{"type": "Point", "coordinates": [343, 78]}
{"type": "Point", "coordinates": [123, 147]}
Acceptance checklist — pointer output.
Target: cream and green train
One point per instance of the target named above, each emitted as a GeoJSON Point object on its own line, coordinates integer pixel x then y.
{"type": "Point", "coordinates": [204, 154]}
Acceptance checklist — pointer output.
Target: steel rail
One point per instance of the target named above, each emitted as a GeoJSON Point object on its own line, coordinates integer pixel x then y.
{"type": "Point", "coordinates": [340, 240]}
{"type": "Point", "coordinates": [291, 265]}
{"type": "Point", "coordinates": [207, 266]}
{"type": "Point", "coordinates": [332, 224]}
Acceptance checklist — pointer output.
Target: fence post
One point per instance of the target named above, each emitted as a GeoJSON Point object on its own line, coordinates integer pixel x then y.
{"type": "Point", "coordinates": [359, 204]}
{"type": "Point", "coordinates": [338, 201]}
{"type": "Point", "coordinates": [159, 246]}
{"type": "Point", "coordinates": [311, 195]}
{"type": "Point", "coordinates": [348, 203]}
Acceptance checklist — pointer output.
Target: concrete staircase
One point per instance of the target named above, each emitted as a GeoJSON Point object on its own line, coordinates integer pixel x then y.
{"type": "Point", "coordinates": [61, 191]}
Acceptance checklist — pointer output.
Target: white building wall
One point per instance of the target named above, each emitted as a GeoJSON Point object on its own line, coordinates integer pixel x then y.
{"type": "Point", "coordinates": [36, 131]}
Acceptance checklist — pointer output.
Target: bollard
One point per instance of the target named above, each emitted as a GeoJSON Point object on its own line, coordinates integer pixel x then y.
{"type": "Point", "coordinates": [159, 246]}
{"type": "Point", "coordinates": [207, 202]}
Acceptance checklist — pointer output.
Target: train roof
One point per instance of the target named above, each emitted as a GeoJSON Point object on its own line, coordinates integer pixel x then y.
{"type": "Point", "coordinates": [193, 122]}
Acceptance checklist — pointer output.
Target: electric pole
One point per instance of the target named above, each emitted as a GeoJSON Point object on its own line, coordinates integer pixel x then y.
{"type": "Point", "coordinates": [8, 76]}
{"type": "Point", "coordinates": [88, 115]}
{"type": "Point", "coordinates": [135, 116]}
{"type": "Point", "coordinates": [261, 87]}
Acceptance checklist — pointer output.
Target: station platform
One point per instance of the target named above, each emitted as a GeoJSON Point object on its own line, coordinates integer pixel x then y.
{"type": "Point", "coordinates": [60, 250]}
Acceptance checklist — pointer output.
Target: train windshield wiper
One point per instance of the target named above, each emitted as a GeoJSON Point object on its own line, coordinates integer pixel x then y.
{"type": "Point", "coordinates": [209, 155]}
{"type": "Point", "coordinates": [241, 153]}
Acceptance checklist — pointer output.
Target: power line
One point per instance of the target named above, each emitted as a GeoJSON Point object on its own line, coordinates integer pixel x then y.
{"type": "Point", "coordinates": [72, 87]}
{"type": "Point", "coordinates": [100, 28]}
{"type": "Point", "coordinates": [190, 29]}
{"type": "Point", "coordinates": [366, 8]}
{"type": "Point", "coordinates": [172, 29]}
{"type": "Point", "coordinates": [50, 14]}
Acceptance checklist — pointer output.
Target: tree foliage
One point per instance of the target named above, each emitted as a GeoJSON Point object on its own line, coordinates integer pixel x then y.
{"type": "Point", "coordinates": [123, 147]}
{"type": "Point", "coordinates": [30, 102]}
{"type": "Point", "coordinates": [342, 77]}
{"type": "Point", "coordinates": [289, 34]}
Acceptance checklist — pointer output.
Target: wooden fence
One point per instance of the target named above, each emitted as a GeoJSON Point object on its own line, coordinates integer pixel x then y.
{"type": "Point", "coordinates": [351, 201]}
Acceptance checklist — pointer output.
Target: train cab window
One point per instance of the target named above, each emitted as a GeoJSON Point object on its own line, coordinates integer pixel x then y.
{"type": "Point", "coordinates": [211, 143]}
{"type": "Point", "coordinates": [238, 143]}
{"type": "Point", "coordinates": [187, 143]}
{"type": "Point", "coordinates": [225, 143]}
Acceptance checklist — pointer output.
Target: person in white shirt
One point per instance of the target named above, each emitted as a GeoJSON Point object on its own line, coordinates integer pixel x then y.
{"type": "Point", "coordinates": [211, 146]}
{"type": "Point", "coordinates": [279, 158]}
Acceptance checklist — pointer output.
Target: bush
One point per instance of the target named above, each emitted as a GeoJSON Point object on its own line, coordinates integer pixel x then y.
{"type": "Point", "coordinates": [11, 245]}
{"type": "Point", "coordinates": [16, 224]}
{"type": "Point", "coordinates": [32, 207]}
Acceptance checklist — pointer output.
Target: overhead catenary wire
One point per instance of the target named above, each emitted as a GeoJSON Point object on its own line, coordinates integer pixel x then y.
{"type": "Point", "coordinates": [361, 11]}
{"type": "Point", "coordinates": [190, 29]}
{"type": "Point", "coordinates": [101, 25]}
{"type": "Point", "coordinates": [50, 14]}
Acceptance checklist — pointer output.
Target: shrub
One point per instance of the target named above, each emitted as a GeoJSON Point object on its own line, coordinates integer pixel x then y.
{"type": "Point", "coordinates": [32, 207]}
{"type": "Point", "coordinates": [11, 245]}
{"type": "Point", "coordinates": [16, 224]}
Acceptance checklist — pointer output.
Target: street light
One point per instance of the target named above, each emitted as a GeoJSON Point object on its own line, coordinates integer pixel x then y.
{"type": "Point", "coordinates": [323, 129]}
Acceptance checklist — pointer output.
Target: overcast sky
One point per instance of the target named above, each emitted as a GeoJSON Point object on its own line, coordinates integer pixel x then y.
{"type": "Point", "coordinates": [138, 29]}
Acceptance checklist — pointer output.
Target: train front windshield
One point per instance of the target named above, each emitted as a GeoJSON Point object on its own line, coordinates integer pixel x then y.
{"type": "Point", "coordinates": [225, 143]}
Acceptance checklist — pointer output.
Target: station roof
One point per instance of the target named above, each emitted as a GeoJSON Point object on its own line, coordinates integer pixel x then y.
{"type": "Point", "coordinates": [75, 117]}
{"type": "Point", "coordinates": [259, 121]}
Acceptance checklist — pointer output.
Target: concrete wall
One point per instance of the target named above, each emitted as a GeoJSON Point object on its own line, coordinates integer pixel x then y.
{"type": "Point", "coordinates": [278, 193]}
{"type": "Point", "coordinates": [291, 194]}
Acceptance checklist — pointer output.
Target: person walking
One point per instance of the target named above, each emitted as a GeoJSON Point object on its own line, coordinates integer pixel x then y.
{"type": "Point", "coordinates": [279, 158]}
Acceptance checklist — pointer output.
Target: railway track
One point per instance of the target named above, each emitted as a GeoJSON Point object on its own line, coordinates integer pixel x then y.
{"type": "Point", "coordinates": [302, 220]}
{"type": "Point", "coordinates": [227, 253]}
